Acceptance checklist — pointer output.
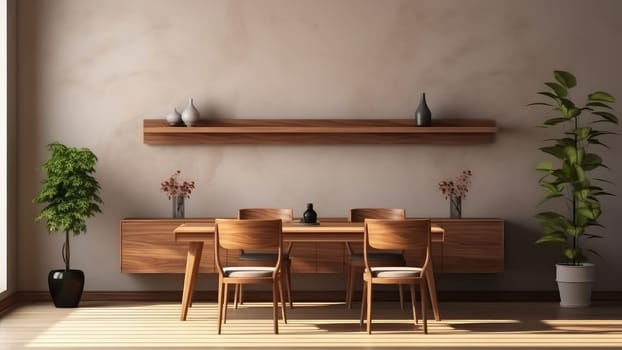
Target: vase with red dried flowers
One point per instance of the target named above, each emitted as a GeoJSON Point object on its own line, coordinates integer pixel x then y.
{"type": "Point", "coordinates": [178, 191]}
{"type": "Point", "coordinates": [455, 191]}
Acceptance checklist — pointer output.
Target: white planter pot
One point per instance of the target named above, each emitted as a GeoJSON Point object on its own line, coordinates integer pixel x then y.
{"type": "Point", "coordinates": [575, 284]}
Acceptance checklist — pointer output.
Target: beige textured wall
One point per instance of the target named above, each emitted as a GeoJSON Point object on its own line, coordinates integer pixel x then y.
{"type": "Point", "coordinates": [90, 71]}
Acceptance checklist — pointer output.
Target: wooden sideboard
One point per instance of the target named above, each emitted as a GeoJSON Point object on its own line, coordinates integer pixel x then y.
{"type": "Point", "coordinates": [471, 245]}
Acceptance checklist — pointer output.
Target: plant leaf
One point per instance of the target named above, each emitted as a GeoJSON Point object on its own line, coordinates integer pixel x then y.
{"type": "Point", "coordinates": [591, 161]}
{"type": "Point", "coordinates": [556, 151]}
{"type": "Point", "coordinates": [596, 133]}
{"type": "Point", "coordinates": [603, 180]}
{"type": "Point", "coordinates": [554, 121]}
{"type": "Point", "coordinates": [601, 96]}
{"type": "Point", "coordinates": [592, 235]}
{"type": "Point", "coordinates": [557, 237]}
{"type": "Point", "coordinates": [574, 255]}
{"type": "Point", "coordinates": [545, 165]}
{"type": "Point", "coordinates": [594, 252]}
{"type": "Point", "coordinates": [587, 213]}
{"type": "Point", "coordinates": [550, 196]}
{"type": "Point", "coordinates": [609, 117]}
{"type": "Point", "coordinates": [570, 154]}
{"type": "Point", "coordinates": [603, 193]}
{"type": "Point", "coordinates": [549, 94]}
{"type": "Point", "coordinates": [558, 89]}
{"type": "Point", "coordinates": [550, 215]}
{"type": "Point", "coordinates": [582, 133]}
{"type": "Point", "coordinates": [566, 79]}
{"type": "Point", "coordinates": [541, 104]}
{"type": "Point", "coordinates": [579, 173]}
{"type": "Point", "coordinates": [598, 104]}
{"type": "Point", "coordinates": [597, 142]}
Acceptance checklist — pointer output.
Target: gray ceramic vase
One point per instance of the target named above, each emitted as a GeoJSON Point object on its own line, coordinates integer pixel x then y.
{"type": "Point", "coordinates": [423, 116]}
{"type": "Point", "coordinates": [174, 118]}
{"type": "Point", "coordinates": [190, 114]}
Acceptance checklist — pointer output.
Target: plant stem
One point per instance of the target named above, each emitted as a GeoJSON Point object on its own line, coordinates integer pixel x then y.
{"type": "Point", "coordinates": [574, 197]}
{"type": "Point", "coordinates": [66, 251]}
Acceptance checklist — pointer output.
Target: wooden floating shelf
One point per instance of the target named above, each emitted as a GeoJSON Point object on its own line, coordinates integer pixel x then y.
{"type": "Point", "coordinates": [321, 131]}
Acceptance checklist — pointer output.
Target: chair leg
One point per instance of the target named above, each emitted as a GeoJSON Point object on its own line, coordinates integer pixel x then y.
{"type": "Point", "coordinates": [413, 302]}
{"type": "Point", "coordinates": [283, 307]}
{"type": "Point", "coordinates": [225, 303]}
{"type": "Point", "coordinates": [288, 280]}
{"type": "Point", "coordinates": [424, 299]}
{"type": "Point", "coordinates": [274, 305]}
{"type": "Point", "coordinates": [236, 295]}
{"type": "Point", "coordinates": [354, 273]}
{"type": "Point", "coordinates": [239, 298]}
{"type": "Point", "coordinates": [363, 303]}
{"type": "Point", "coordinates": [369, 299]}
{"type": "Point", "coordinates": [350, 288]}
{"type": "Point", "coordinates": [430, 280]}
{"type": "Point", "coordinates": [401, 296]}
{"type": "Point", "coordinates": [219, 305]}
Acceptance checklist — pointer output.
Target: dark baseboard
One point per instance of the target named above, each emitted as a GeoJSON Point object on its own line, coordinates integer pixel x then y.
{"type": "Point", "coordinates": [307, 296]}
{"type": "Point", "coordinates": [8, 303]}
{"type": "Point", "coordinates": [520, 296]}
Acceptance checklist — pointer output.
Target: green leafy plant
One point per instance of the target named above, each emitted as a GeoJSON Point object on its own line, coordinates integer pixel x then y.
{"type": "Point", "coordinates": [569, 178]}
{"type": "Point", "coordinates": [70, 191]}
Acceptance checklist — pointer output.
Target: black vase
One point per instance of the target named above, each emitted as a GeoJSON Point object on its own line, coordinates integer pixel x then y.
{"type": "Point", "coordinates": [423, 116]}
{"type": "Point", "coordinates": [309, 216]}
{"type": "Point", "coordinates": [66, 287]}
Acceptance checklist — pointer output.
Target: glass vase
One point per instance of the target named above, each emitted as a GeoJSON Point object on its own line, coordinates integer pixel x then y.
{"type": "Point", "coordinates": [455, 207]}
{"type": "Point", "coordinates": [178, 207]}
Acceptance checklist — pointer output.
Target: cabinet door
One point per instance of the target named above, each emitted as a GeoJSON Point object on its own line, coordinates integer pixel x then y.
{"type": "Point", "coordinates": [303, 256]}
{"type": "Point", "coordinates": [472, 245]}
{"type": "Point", "coordinates": [330, 257]}
{"type": "Point", "coordinates": [147, 246]}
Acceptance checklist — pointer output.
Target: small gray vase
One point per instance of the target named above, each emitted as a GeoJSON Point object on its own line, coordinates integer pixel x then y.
{"type": "Point", "coordinates": [174, 118]}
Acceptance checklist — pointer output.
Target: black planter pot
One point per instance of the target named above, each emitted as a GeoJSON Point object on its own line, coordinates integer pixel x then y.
{"type": "Point", "coordinates": [66, 287]}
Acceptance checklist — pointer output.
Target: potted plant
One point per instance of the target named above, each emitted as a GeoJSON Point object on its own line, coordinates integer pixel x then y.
{"type": "Point", "coordinates": [569, 179]}
{"type": "Point", "coordinates": [71, 195]}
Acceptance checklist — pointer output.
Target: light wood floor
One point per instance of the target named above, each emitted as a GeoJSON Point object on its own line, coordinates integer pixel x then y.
{"type": "Point", "coordinates": [120, 325]}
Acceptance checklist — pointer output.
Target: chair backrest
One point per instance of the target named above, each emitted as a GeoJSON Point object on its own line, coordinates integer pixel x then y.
{"type": "Point", "coordinates": [411, 234]}
{"type": "Point", "coordinates": [360, 214]}
{"type": "Point", "coordinates": [249, 234]}
{"type": "Point", "coordinates": [286, 215]}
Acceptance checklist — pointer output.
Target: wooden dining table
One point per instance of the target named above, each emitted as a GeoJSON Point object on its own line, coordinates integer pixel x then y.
{"type": "Point", "coordinates": [328, 230]}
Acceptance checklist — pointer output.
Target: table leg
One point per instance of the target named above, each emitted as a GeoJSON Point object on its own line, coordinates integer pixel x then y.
{"type": "Point", "coordinates": [193, 261]}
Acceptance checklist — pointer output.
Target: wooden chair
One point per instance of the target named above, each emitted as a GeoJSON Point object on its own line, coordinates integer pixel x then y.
{"type": "Point", "coordinates": [412, 234]}
{"type": "Point", "coordinates": [262, 257]}
{"type": "Point", "coordinates": [355, 260]}
{"type": "Point", "coordinates": [231, 234]}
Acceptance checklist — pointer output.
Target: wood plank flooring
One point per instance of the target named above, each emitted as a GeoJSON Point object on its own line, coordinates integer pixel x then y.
{"type": "Point", "coordinates": [134, 325]}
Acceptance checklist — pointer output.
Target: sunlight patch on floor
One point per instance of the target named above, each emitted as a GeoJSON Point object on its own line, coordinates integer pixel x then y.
{"type": "Point", "coordinates": [310, 325]}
